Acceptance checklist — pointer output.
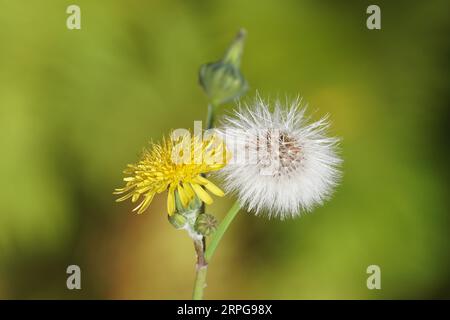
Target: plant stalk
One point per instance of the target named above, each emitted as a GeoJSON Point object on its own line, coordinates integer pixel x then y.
{"type": "Point", "coordinates": [204, 256]}
{"type": "Point", "coordinates": [200, 245]}
{"type": "Point", "coordinates": [210, 116]}
{"type": "Point", "coordinates": [201, 270]}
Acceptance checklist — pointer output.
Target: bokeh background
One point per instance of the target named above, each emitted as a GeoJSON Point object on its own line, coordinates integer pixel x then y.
{"type": "Point", "coordinates": [77, 105]}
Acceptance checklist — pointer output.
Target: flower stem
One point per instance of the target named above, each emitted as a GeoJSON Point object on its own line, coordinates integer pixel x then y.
{"type": "Point", "coordinates": [200, 245]}
{"type": "Point", "coordinates": [204, 256]}
{"type": "Point", "coordinates": [201, 270]}
{"type": "Point", "coordinates": [200, 282]}
{"type": "Point", "coordinates": [203, 253]}
{"type": "Point", "coordinates": [210, 116]}
{"type": "Point", "coordinates": [217, 236]}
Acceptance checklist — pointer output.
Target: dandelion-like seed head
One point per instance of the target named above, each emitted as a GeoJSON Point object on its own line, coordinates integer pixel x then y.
{"type": "Point", "coordinates": [176, 165]}
{"type": "Point", "coordinates": [282, 164]}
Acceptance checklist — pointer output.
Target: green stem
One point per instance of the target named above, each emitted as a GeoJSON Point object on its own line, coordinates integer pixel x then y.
{"type": "Point", "coordinates": [201, 270]}
{"type": "Point", "coordinates": [200, 282]}
{"type": "Point", "coordinates": [210, 117]}
{"type": "Point", "coordinates": [217, 236]}
{"type": "Point", "coordinates": [200, 245]}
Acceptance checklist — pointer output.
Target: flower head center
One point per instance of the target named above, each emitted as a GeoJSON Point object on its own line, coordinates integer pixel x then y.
{"type": "Point", "coordinates": [279, 152]}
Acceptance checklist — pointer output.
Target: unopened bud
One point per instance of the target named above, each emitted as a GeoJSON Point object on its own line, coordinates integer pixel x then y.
{"type": "Point", "coordinates": [222, 80]}
{"type": "Point", "coordinates": [177, 220]}
{"type": "Point", "coordinates": [205, 224]}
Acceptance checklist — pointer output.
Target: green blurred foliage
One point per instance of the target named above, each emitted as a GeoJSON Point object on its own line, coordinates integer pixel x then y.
{"type": "Point", "coordinates": [77, 105]}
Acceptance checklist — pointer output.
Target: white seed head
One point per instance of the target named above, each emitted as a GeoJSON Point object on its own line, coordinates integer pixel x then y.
{"type": "Point", "coordinates": [281, 165]}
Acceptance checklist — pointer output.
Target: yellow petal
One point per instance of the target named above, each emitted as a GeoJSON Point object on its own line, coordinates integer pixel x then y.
{"type": "Point", "coordinates": [148, 199]}
{"type": "Point", "coordinates": [143, 190]}
{"type": "Point", "coordinates": [161, 188]}
{"type": "Point", "coordinates": [183, 197]}
{"type": "Point", "coordinates": [124, 197]}
{"type": "Point", "coordinates": [202, 194]}
{"type": "Point", "coordinates": [171, 201]}
{"type": "Point", "coordinates": [200, 180]}
{"type": "Point", "coordinates": [138, 206]}
{"type": "Point", "coordinates": [214, 189]}
{"type": "Point", "coordinates": [122, 190]}
{"type": "Point", "coordinates": [188, 190]}
{"type": "Point", "coordinates": [135, 197]}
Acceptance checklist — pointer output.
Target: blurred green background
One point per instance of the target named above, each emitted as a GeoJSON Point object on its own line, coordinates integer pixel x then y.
{"type": "Point", "coordinates": [77, 105]}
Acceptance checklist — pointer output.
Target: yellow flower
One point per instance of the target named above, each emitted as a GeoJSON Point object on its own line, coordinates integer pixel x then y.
{"type": "Point", "coordinates": [176, 166]}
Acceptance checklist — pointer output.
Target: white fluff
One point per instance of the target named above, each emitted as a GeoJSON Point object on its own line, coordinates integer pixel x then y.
{"type": "Point", "coordinates": [280, 165]}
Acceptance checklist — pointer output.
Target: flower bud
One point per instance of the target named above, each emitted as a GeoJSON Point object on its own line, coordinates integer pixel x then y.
{"type": "Point", "coordinates": [205, 224]}
{"type": "Point", "coordinates": [178, 220]}
{"type": "Point", "coordinates": [223, 81]}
